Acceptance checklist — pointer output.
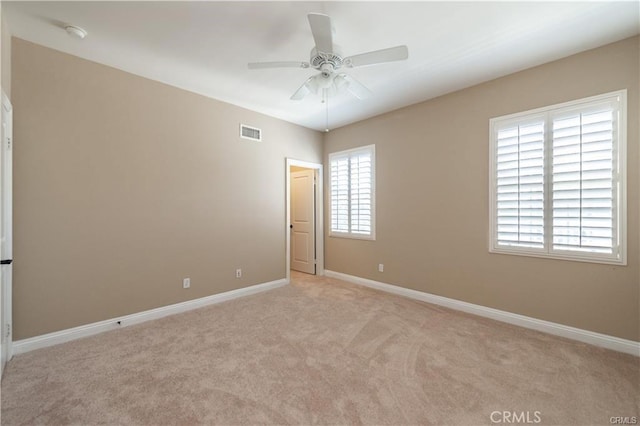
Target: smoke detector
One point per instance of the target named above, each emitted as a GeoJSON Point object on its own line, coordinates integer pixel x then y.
{"type": "Point", "coordinates": [76, 32]}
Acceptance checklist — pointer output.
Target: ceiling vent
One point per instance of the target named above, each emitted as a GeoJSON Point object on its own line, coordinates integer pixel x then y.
{"type": "Point", "coordinates": [251, 133]}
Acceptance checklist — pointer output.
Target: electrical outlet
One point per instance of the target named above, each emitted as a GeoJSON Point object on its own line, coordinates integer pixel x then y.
{"type": "Point", "coordinates": [238, 273]}
{"type": "Point", "coordinates": [380, 267]}
{"type": "Point", "coordinates": [186, 283]}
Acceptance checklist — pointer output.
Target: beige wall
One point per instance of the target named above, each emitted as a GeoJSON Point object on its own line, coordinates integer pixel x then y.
{"type": "Point", "coordinates": [5, 55]}
{"type": "Point", "coordinates": [123, 186]}
{"type": "Point", "coordinates": [432, 200]}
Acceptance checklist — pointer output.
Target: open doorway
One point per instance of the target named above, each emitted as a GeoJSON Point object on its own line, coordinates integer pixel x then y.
{"type": "Point", "coordinates": [304, 224]}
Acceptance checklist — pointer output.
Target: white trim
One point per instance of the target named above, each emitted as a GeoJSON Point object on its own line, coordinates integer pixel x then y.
{"type": "Point", "coordinates": [50, 339]}
{"type": "Point", "coordinates": [319, 213]}
{"type": "Point", "coordinates": [585, 336]}
{"type": "Point", "coordinates": [6, 281]}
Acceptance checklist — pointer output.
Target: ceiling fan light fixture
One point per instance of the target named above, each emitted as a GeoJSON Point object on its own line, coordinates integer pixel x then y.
{"type": "Point", "coordinates": [75, 31]}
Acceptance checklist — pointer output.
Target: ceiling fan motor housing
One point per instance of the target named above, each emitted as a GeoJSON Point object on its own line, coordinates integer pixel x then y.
{"type": "Point", "coordinates": [326, 62]}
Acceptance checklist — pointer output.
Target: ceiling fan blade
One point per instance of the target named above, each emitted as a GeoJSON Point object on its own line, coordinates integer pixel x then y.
{"type": "Point", "coordinates": [322, 32]}
{"type": "Point", "coordinates": [356, 88]}
{"type": "Point", "coordinates": [280, 64]}
{"type": "Point", "coordinates": [391, 54]}
{"type": "Point", "coordinates": [300, 93]}
{"type": "Point", "coordinates": [309, 86]}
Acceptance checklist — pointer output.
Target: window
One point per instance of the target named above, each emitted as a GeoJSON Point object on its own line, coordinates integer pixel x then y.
{"type": "Point", "coordinates": [558, 181]}
{"type": "Point", "coordinates": [352, 198]}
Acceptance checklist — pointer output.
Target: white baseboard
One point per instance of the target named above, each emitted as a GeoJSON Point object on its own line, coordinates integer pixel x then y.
{"type": "Point", "coordinates": [50, 339]}
{"type": "Point", "coordinates": [597, 339]}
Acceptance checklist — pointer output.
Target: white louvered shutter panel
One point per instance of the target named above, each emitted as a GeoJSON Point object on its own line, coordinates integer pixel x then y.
{"type": "Point", "coordinates": [340, 194]}
{"type": "Point", "coordinates": [584, 187]}
{"type": "Point", "coordinates": [361, 180]}
{"type": "Point", "coordinates": [520, 185]}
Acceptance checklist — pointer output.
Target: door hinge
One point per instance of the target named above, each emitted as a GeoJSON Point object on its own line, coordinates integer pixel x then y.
{"type": "Point", "coordinates": [8, 330]}
{"type": "Point", "coordinates": [8, 143]}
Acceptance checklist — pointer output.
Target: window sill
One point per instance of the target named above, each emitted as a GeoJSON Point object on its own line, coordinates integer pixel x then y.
{"type": "Point", "coordinates": [352, 236]}
{"type": "Point", "coordinates": [555, 256]}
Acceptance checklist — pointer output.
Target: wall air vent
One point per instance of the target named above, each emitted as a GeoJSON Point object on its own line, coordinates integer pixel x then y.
{"type": "Point", "coordinates": [251, 133]}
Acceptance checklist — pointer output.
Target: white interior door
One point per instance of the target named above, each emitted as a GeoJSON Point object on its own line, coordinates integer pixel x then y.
{"type": "Point", "coordinates": [303, 242]}
{"type": "Point", "coordinates": [6, 247]}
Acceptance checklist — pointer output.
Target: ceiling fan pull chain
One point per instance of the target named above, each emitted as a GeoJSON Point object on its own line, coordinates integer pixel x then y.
{"type": "Point", "coordinates": [326, 129]}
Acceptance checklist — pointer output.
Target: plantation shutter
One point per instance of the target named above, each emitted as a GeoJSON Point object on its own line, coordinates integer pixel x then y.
{"type": "Point", "coordinates": [584, 189]}
{"type": "Point", "coordinates": [352, 192]}
{"type": "Point", "coordinates": [520, 185]}
{"type": "Point", "coordinates": [340, 194]}
{"type": "Point", "coordinates": [558, 185]}
{"type": "Point", "coordinates": [361, 180]}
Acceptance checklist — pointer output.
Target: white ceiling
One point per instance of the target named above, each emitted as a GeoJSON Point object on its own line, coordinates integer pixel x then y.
{"type": "Point", "coordinates": [204, 46]}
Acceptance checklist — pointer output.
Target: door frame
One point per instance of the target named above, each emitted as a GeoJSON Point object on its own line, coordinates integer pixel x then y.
{"type": "Point", "coordinates": [319, 214]}
{"type": "Point", "coordinates": [6, 171]}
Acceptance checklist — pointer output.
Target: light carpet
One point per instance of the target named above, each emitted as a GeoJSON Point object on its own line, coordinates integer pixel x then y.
{"type": "Point", "coordinates": [321, 351]}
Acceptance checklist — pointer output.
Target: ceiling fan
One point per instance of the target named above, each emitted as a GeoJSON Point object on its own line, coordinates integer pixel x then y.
{"type": "Point", "coordinates": [327, 58]}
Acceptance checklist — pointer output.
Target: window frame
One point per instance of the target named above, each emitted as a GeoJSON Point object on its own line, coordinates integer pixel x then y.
{"type": "Point", "coordinates": [371, 149]}
{"type": "Point", "coordinates": [619, 179]}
